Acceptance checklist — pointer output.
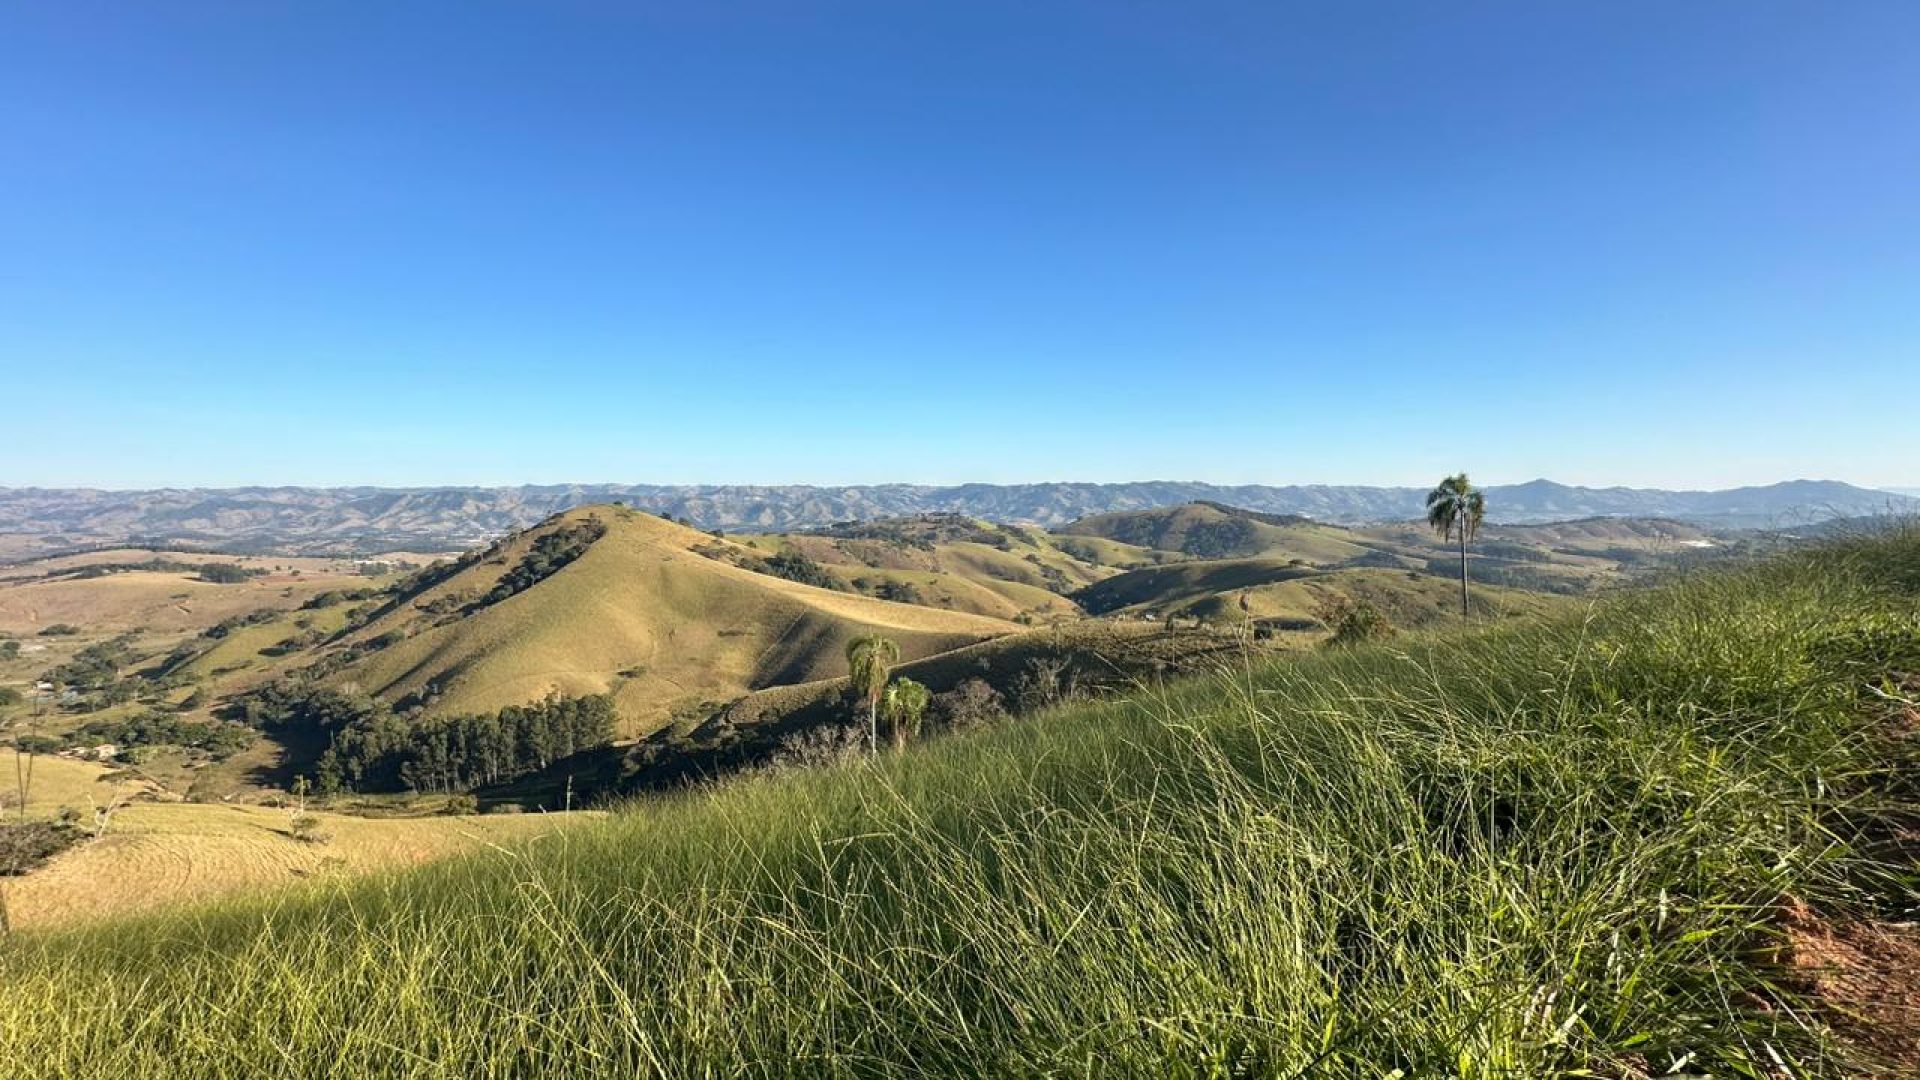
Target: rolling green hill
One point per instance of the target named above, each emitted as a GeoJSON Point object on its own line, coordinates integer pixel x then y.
{"type": "Point", "coordinates": [1205, 530]}
{"type": "Point", "coordinates": [957, 563]}
{"type": "Point", "coordinates": [1633, 840]}
{"type": "Point", "coordinates": [640, 612]}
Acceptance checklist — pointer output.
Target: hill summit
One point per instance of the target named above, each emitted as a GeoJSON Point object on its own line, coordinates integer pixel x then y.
{"type": "Point", "coordinates": [610, 600]}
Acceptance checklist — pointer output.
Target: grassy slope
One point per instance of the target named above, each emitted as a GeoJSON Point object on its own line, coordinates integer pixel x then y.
{"type": "Point", "coordinates": [61, 782]}
{"type": "Point", "coordinates": [642, 615]}
{"type": "Point", "coordinates": [1096, 656]}
{"type": "Point", "coordinates": [1515, 853]}
{"type": "Point", "coordinates": [1178, 529]}
{"type": "Point", "coordinates": [1276, 589]}
{"type": "Point", "coordinates": [157, 855]}
{"type": "Point", "coordinates": [962, 575]}
{"type": "Point", "coordinates": [158, 603]}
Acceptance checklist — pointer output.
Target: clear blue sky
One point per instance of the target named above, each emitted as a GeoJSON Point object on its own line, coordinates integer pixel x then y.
{"type": "Point", "coordinates": [1651, 243]}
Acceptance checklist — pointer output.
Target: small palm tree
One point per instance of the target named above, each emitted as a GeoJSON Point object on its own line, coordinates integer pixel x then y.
{"type": "Point", "coordinates": [1455, 509]}
{"type": "Point", "coordinates": [870, 659]}
{"type": "Point", "coordinates": [904, 704]}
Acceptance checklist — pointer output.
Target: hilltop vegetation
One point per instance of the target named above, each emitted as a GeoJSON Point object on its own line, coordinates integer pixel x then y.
{"type": "Point", "coordinates": [1582, 842]}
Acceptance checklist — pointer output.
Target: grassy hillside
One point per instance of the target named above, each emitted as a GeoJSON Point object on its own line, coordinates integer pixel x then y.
{"type": "Point", "coordinates": [159, 855]}
{"type": "Point", "coordinates": [37, 594]}
{"type": "Point", "coordinates": [1205, 530]}
{"type": "Point", "coordinates": [640, 613]}
{"type": "Point", "coordinates": [1281, 590]}
{"type": "Point", "coordinates": [959, 563]}
{"type": "Point", "coordinates": [1566, 846]}
{"type": "Point", "coordinates": [1083, 659]}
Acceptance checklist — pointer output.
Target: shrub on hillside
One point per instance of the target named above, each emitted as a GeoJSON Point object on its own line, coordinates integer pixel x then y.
{"type": "Point", "coordinates": [795, 565]}
{"type": "Point", "coordinates": [25, 845]}
{"type": "Point", "coordinates": [827, 744]}
{"type": "Point", "coordinates": [973, 702]}
{"type": "Point", "coordinates": [1352, 620]}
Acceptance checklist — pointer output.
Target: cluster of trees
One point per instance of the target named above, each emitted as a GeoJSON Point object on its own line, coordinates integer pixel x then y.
{"type": "Point", "coordinates": [153, 728]}
{"type": "Point", "coordinates": [548, 554]}
{"type": "Point", "coordinates": [338, 596]}
{"type": "Point", "coordinates": [901, 702]}
{"type": "Point", "coordinates": [900, 592]}
{"type": "Point", "coordinates": [795, 565]}
{"type": "Point", "coordinates": [302, 705]}
{"type": "Point", "coordinates": [222, 573]}
{"type": "Point", "coordinates": [95, 667]}
{"type": "Point", "coordinates": [386, 752]}
{"type": "Point", "coordinates": [156, 564]}
{"type": "Point", "coordinates": [236, 622]}
{"type": "Point", "coordinates": [370, 747]}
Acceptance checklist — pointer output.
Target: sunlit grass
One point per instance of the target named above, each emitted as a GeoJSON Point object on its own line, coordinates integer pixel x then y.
{"type": "Point", "coordinates": [1523, 851]}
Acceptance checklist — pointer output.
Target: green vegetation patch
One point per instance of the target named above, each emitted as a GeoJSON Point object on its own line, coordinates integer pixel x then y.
{"type": "Point", "coordinates": [26, 845]}
{"type": "Point", "coordinates": [549, 553]}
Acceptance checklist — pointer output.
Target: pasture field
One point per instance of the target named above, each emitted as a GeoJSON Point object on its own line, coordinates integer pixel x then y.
{"type": "Point", "coordinates": [156, 855]}
{"type": "Point", "coordinates": [158, 851]}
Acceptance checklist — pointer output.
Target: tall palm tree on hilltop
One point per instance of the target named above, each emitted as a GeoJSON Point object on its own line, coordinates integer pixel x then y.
{"type": "Point", "coordinates": [1455, 509]}
{"type": "Point", "coordinates": [870, 659]}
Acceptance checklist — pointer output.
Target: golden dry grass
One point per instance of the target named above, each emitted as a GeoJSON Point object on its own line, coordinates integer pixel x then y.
{"type": "Point", "coordinates": [644, 617]}
{"type": "Point", "coordinates": [155, 602]}
{"type": "Point", "coordinates": [157, 855]}
{"type": "Point", "coordinates": [62, 782]}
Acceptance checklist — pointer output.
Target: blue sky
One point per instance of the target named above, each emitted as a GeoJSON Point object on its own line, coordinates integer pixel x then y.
{"type": "Point", "coordinates": [418, 243]}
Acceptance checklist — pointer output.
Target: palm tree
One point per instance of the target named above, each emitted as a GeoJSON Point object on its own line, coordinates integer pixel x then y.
{"type": "Point", "coordinates": [905, 703]}
{"type": "Point", "coordinates": [869, 660]}
{"type": "Point", "coordinates": [1454, 509]}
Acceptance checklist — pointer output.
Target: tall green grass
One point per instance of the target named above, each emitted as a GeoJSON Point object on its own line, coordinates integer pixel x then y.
{"type": "Point", "coordinates": [1525, 851]}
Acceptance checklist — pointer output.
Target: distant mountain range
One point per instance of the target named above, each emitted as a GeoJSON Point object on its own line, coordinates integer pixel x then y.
{"type": "Point", "coordinates": [370, 519]}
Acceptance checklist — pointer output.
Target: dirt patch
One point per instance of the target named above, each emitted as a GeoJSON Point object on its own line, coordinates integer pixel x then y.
{"type": "Point", "coordinates": [1865, 978]}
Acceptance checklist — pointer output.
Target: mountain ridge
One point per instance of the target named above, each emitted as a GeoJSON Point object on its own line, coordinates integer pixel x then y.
{"type": "Point", "coordinates": [367, 519]}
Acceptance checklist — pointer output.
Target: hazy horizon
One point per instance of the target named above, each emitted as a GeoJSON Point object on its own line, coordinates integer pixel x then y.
{"type": "Point", "coordinates": [831, 485]}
